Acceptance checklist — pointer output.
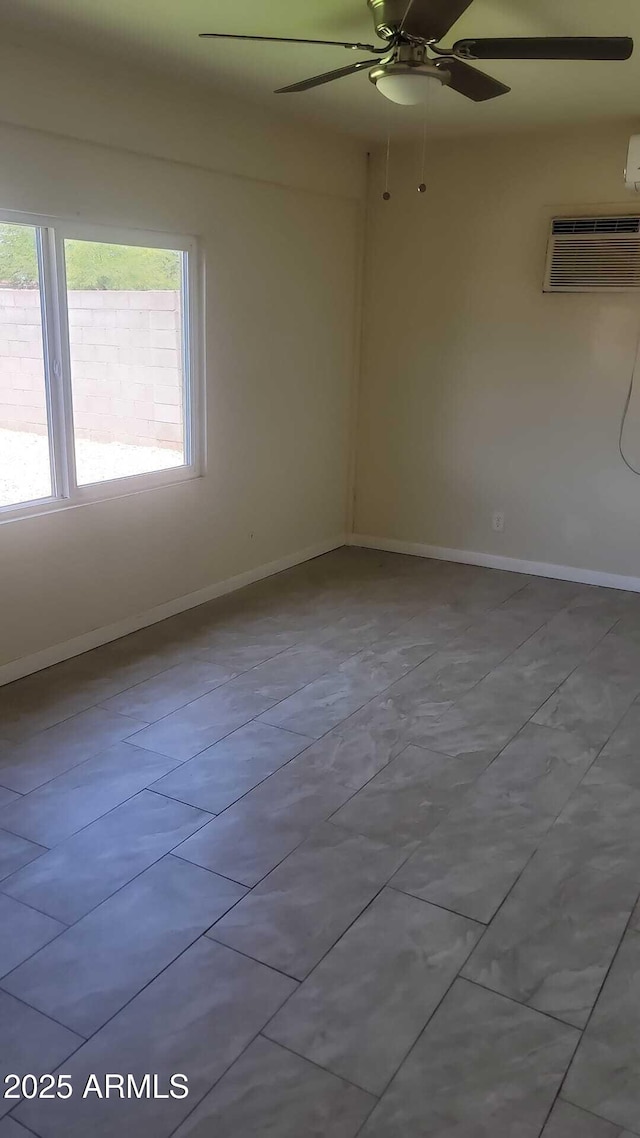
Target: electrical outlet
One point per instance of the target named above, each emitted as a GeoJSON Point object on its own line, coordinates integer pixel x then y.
{"type": "Point", "coordinates": [497, 522]}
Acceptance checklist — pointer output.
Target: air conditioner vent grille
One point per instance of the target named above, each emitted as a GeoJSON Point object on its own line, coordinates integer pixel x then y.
{"type": "Point", "coordinates": [593, 254]}
{"type": "Point", "coordinates": [596, 225]}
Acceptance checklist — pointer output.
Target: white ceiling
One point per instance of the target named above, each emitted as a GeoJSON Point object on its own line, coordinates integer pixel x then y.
{"type": "Point", "coordinates": [164, 35]}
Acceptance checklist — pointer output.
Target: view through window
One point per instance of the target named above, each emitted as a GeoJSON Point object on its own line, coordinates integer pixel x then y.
{"type": "Point", "coordinates": [123, 394]}
{"type": "Point", "coordinates": [125, 338]}
{"type": "Point", "coordinates": [25, 467]}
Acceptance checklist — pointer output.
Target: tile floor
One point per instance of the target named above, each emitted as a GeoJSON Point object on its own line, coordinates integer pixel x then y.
{"type": "Point", "coordinates": [356, 850]}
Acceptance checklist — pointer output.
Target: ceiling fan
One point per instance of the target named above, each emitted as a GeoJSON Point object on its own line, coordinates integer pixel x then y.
{"type": "Point", "coordinates": [404, 71]}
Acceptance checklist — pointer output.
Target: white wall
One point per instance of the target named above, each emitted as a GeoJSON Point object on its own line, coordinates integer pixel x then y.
{"type": "Point", "coordinates": [49, 86]}
{"type": "Point", "coordinates": [480, 393]}
{"type": "Point", "coordinates": [281, 246]}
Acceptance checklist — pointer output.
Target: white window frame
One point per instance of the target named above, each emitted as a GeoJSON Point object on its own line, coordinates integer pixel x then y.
{"type": "Point", "coordinates": [51, 233]}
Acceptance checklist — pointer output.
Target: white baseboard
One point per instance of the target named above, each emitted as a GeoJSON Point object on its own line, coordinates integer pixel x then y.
{"type": "Point", "coordinates": [495, 561]}
{"type": "Point", "coordinates": [24, 666]}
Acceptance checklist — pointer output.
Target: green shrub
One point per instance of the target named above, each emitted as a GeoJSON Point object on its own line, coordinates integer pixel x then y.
{"type": "Point", "coordinates": [89, 264]}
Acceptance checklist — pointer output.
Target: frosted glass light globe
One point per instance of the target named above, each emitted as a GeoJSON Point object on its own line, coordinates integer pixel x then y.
{"type": "Point", "coordinates": [410, 88]}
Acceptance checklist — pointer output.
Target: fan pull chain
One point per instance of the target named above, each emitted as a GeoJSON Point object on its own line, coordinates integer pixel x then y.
{"type": "Point", "coordinates": [422, 188]}
{"type": "Point", "coordinates": [387, 192]}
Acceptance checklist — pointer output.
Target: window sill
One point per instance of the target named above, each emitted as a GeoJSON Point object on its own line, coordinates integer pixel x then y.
{"type": "Point", "coordinates": [101, 492]}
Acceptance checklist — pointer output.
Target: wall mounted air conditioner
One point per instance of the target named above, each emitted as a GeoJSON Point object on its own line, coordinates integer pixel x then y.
{"type": "Point", "coordinates": [593, 254]}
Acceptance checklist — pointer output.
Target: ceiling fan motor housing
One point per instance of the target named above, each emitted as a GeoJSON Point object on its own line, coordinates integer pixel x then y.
{"type": "Point", "coordinates": [405, 59]}
{"type": "Point", "coordinates": [387, 15]}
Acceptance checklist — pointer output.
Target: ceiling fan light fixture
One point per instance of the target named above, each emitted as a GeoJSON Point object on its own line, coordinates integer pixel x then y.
{"type": "Point", "coordinates": [410, 86]}
{"type": "Point", "coordinates": [404, 70]}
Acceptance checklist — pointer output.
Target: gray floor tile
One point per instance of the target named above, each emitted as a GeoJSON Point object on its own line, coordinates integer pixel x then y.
{"type": "Point", "coordinates": [395, 719]}
{"type": "Point", "coordinates": [593, 700]}
{"type": "Point", "coordinates": [77, 875]}
{"type": "Point", "coordinates": [269, 1091]}
{"type": "Point", "coordinates": [459, 665]}
{"type": "Point", "coordinates": [301, 909]}
{"type": "Point", "coordinates": [166, 692]}
{"type": "Point", "coordinates": [386, 661]}
{"type": "Point", "coordinates": [449, 673]}
{"type": "Point", "coordinates": [30, 1042]}
{"type": "Point", "coordinates": [36, 760]}
{"type": "Point", "coordinates": [319, 706]}
{"type": "Point", "coordinates": [519, 617]}
{"type": "Point", "coordinates": [121, 664]}
{"type": "Point", "coordinates": [9, 1128]}
{"type": "Point", "coordinates": [598, 827]}
{"type": "Point", "coordinates": [44, 699]}
{"type": "Point", "coordinates": [544, 661]}
{"type": "Point", "coordinates": [526, 683]}
{"type": "Point", "coordinates": [478, 725]}
{"type": "Point", "coordinates": [58, 809]}
{"type": "Point", "coordinates": [240, 651]}
{"type": "Point", "coordinates": [219, 776]}
{"type": "Point", "coordinates": [605, 1075]}
{"type": "Point", "coordinates": [628, 625]}
{"type": "Point", "coordinates": [186, 732]}
{"type": "Point", "coordinates": [588, 705]}
{"type": "Point", "coordinates": [360, 1022]}
{"type": "Point", "coordinates": [483, 1067]}
{"type": "Point", "coordinates": [553, 940]}
{"type": "Point", "coordinates": [567, 1121]}
{"type": "Point", "coordinates": [620, 758]}
{"type": "Point", "coordinates": [279, 677]}
{"type": "Point", "coordinates": [617, 658]}
{"type": "Point", "coordinates": [89, 972]}
{"type": "Point", "coordinates": [540, 768]}
{"type": "Point", "coordinates": [349, 629]}
{"type": "Point", "coordinates": [379, 654]}
{"type": "Point", "coordinates": [407, 799]}
{"type": "Point", "coordinates": [195, 1018]}
{"type": "Point", "coordinates": [541, 595]}
{"type": "Point", "coordinates": [421, 640]}
{"type": "Point", "coordinates": [469, 863]}
{"type": "Point", "coordinates": [432, 624]}
{"type": "Point", "coordinates": [350, 755]}
{"type": "Point", "coordinates": [343, 635]}
{"type": "Point", "coordinates": [16, 852]}
{"type": "Point", "coordinates": [22, 932]}
{"type": "Point", "coordinates": [480, 589]}
{"type": "Point", "coordinates": [471, 860]}
{"type": "Point", "coordinates": [612, 603]}
{"type": "Point", "coordinates": [250, 838]}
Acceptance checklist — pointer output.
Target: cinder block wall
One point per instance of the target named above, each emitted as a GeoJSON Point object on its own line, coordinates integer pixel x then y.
{"type": "Point", "coordinates": [126, 365]}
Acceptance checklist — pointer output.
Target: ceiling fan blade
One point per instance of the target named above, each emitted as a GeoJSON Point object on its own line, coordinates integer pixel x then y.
{"type": "Point", "coordinates": [571, 47]}
{"type": "Point", "coordinates": [470, 82]}
{"type": "Point", "coordinates": [431, 19]}
{"type": "Point", "coordinates": [281, 39]}
{"type": "Point", "coordinates": [327, 77]}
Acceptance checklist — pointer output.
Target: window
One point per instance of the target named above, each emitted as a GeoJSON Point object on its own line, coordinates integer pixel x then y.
{"type": "Point", "coordinates": [25, 461]}
{"type": "Point", "coordinates": [98, 392]}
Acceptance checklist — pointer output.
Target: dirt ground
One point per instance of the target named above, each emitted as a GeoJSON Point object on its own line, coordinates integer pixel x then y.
{"type": "Point", "coordinates": [24, 464]}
